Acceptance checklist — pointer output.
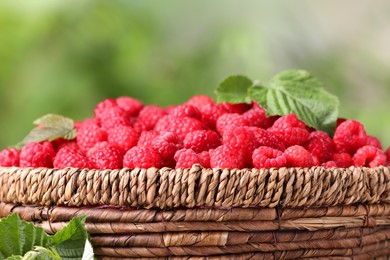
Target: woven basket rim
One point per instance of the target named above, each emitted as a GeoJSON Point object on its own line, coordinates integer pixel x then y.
{"type": "Point", "coordinates": [196, 187]}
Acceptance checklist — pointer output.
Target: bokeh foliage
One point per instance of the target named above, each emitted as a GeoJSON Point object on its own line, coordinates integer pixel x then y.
{"type": "Point", "coordinates": [66, 56]}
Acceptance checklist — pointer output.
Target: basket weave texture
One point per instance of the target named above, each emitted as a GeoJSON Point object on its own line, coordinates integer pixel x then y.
{"type": "Point", "coordinates": [285, 213]}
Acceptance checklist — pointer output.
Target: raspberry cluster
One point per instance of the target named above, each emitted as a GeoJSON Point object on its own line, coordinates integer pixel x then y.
{"type": "Point", "coordinates": [126, 133]}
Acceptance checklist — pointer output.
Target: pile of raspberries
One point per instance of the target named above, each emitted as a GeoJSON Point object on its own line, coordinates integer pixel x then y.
{"type": "Point", "coordinates": [124, 133]}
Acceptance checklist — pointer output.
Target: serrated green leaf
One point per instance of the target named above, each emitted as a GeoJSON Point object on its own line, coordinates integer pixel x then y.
{"type": "Point", "coordinates": [55, 121]}
{"type": "Point", "coordinates": [17, 237]}
{"type": "Point", "coordinates": [50, 127]}
{"type": "Point", "coordinates": [298, 92]}
{"type": "Point", "coordinates": [70, 241]}
{"type": "Point", "coordinates": [234, 89]}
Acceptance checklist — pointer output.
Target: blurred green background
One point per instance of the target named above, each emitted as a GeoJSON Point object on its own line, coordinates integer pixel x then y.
{"type": "Point", "coordinates": [66, 56]}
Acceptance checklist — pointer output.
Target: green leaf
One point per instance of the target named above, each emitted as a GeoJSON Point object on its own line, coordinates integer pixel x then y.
{"type": "Point", "coordinates": [70, 241]}
{"type": "Point", "coordinates": [234, 89]}
{"type": "Point", "coordinates": [298, 92]}
{"type": "Point", "coordinates": [49, 128]}
{"type": "Point", "coordinates": [17, 237]}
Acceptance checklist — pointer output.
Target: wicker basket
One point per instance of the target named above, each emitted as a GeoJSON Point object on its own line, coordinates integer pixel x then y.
{"type": "Point", "coordinates": [285, 213]}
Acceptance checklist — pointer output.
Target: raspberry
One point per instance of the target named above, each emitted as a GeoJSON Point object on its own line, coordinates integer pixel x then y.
{"type": "Point", "coordinates": [256, 116]}
{"type": "Point", "coordinates": [167, 144]}
{"type": "Point", "coordinates": [241, 140]}
{"type": "Point", "coordinates": [388, 154]}
{"type": "Point", "coordinates": [342, 160]}
{"type": "Point", "coordinates": [130, 105]}
{"type": "Point", "coordinates": [186, 111]}
{"type": "Point", "coordinates": [142, 157]}
{"type": "Point", "coordinates": [148, 117]}
{"type": "Point", "coordinates": [123, 138]}
{"type": "Point", "coordinates": [104, 156]}
{"type": "Point", "coordinates": [224, 157]}
{"type": "Point", "coordinates": [204, 158]}
{"type": "Point", "coordinates": [290, 130]}
{"type": "Point", "coordinates": [185, 158]}
{"type": "Point", "coordinates": [267, 138]}
{"type": "Point", "coordinates": [102, 106]}
{"type": "Point", "coordinates": [373, 141]}
{"type": "Point", "coordinates": [210, 114]}
{"type": "Point", "coordinates": [113, 117]}
{"type": "Point", "coordinates": [349, 136]}
{"type": "Point", "coordinates": [89, 134]}
{"type": "Point", "coordinates": [230, 120]}
{"type": "Point", "coordinates": [320, 145]}
{"type": "Point", "coordinates": [235, 108]}
{"type": "Point", "coordinates": [70, 157]}
{"type": "Point", "coordinates": [37, 155]}
{"type": "Point", "coordinates": [200, 101]}
{"type": "Point", "coordinates": [266, 157]}
{"type": "Point", "coordinates": [60, 143]}
{"type": "Point", "coordinates": [146, 138]}
{"type": "Point", "coordinates": [329, 164]}
{"type": "Point", "coordinates": [9, 157]}
{"type": "Point", "coordinates": [202, 140]}
{"type": "Point", "coordinates": [369, 156]}
{"type": "Point", "coordinates": [297, 156]}
{"type": "Point", "coordinates": [180, 126]}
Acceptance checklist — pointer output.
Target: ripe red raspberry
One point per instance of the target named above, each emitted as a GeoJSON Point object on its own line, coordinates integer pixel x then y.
{"type": "Point", "coordinates": [297, 156]}
{"type": "Point", "coordinates": [89, 134]}
{"type": "Point", "coordinates": [230, 120]}
{"type": "Point", "coordinates": [104, 156]}
{"type": "Point", "coordinates": [113, 117]}
{"type": "Point", "coordinates": [180, 126]}
{"type": "Point", "coordinates": [290, 130]}
{"type": "Point", "coordinates": [200, 101]}
{"type": "Point", "coordinates": [329, 164]}
{"type": "Point", "coordinates": [204, 158]}
{"type": "Point", "coordinates": [60, 143]}
{"type": "Point", "coordinates": [146, 138]}
{"type": "Point", "coordinates": [123, 137]}
{"type": "Point", "coordinates": [224, 157]}
{"type": "Point", "coordinates": [130, 105]}
{"type": "Point", "coordinates": [9, 157]}
{"type": "Point", "coordinates": [320, 145]}
{"type": "Point", "coordinates": [142, 157]}
{"type": "Point", "coordinates": [342, 160]}
{"type": "Point", "coordinates": [186, 111]}
{"type": "Point", "coordinates": [350, 136]}
{"type": "Point", "coordinates": [235, 108]}
{"type": "Point", "coordinates": [267, 138]}
{"type": "Point", "coordinates": [37, 155]}
{"type": "Point", "coordinates": [387, 153]}
{"type": "Point", "coordinates": [373, 141]}
{"type": "Point", "coordinates": [70, 157]}
{"type": "Point", "coordinates": [210, 114]}
{"type": "Point", "coordinates": [266, 157]}
{"type": "Point", "coordinates": [102, 106]}
{"type": "Point", "coordinates": [148, 117]}
{"type": "Point", "coordinates": [369, 156]}
{"type": "Point", "coordinates": [202, 140]}
{"type": "Point", "coordinates": [185, 158]}
{"type": "Point", "coordinates": [166, 144]}
{"type": "Point", "coordinates": [256, 116]}
{"type": "Point", "coordinates": [241, 140]}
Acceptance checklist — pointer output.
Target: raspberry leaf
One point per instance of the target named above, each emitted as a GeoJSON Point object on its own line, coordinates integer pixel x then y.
{"type": "Point", "coordinates": [49, 128]}
{"type": "Point", "coordinates": [234, 89]}
{"type": "Point", "coordinates": [298, 92]}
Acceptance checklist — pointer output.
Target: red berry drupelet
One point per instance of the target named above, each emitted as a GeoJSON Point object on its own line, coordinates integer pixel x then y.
{"type": "Point", "coordinates": [37, 155]}
{"type": "Point", "coordinates": [225, 157]}
{"type": "Point", "coordinates": [130, 105]}
{"type": "Point", "coordinates": [290, 130]}
{"type": "Point", "coordinates": [202, 140]}
{"type": "Point", "coordinates": [123, 137]}
{"type": "Point", "coordinates": [297, 156]}
{"type": "Point", "coordinates": [350, 136]}
{"type": "Point", "coordinates": [90, 134]}
{"type": "Point", "coordinates": [320, 144]}
{"type": "Point", "coordinates": [9, 157]}
{"type": "Point", "coordinates": [369, 156]}
{"type": "Point", "coordinates": [180, 126]}
{"type": "Point", "coordinates": [148, 117]}
{"type": "Point", "coordinates": [142, 157]}
{"type": "Point", "coordinates": [105, 156]}
{"type": "Point", "coordinates": [266, 157]}
{"type": "Point", "coordinates": [70, 157]}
